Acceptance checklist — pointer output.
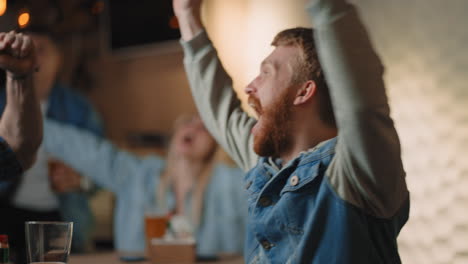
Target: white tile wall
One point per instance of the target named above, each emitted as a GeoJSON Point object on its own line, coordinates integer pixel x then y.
{"type": "Point", "coordinates": [424, 47]}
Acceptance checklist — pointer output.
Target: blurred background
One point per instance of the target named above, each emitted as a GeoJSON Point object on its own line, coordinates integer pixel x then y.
{"type": "Point", "coordinates": [126, 57]}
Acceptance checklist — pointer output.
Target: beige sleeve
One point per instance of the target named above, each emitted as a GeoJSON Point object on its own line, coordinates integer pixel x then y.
{"type": "Point", "coordinates": [217, 102]}
{"type": "Point", "coordinates": [367, 170]}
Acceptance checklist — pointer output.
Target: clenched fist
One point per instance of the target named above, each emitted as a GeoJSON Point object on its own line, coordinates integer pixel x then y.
{"type": "Point", "coordinates": [17, 55]}
{"type": "Point", "coordinates": [189, 17]}
{"type": "Point", "coordinates": [186, 6]}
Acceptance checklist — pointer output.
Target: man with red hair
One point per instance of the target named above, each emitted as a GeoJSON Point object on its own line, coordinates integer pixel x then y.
{"type": "Point", "coordinates": [326, 182]}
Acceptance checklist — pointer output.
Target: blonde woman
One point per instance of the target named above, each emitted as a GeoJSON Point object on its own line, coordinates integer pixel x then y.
{"type": "Point", "coordinates": [189, 183]}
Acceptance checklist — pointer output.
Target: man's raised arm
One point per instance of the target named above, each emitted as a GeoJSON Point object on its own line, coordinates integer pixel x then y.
{"type": "Point", "coordinates": [21, 122]}
{"type": "Point", "coordinates": [189, 16]}
{"type": "Point", "coordinates": [211, 87]}
{"type": "Point", "coordinates": [368, 170]}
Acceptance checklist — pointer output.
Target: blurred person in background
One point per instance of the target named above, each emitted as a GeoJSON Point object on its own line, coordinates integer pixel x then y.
{"type": "Point", "coordinates": [21, 122]}
{"type": "Point", "coordinates": [33, 197]}
{"type": "Point", "coordinates": [188, 183]}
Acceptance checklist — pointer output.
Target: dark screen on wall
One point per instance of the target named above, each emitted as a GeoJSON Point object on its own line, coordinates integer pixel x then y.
{"type": "Point", "coordinates": [140, 22]}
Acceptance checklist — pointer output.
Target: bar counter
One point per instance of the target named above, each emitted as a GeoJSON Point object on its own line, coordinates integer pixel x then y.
{"type": "Point", "coordinates": [113, 258]}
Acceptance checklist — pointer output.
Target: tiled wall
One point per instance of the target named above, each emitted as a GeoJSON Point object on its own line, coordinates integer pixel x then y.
{"type": "Point", "coordinates": [424, 47]}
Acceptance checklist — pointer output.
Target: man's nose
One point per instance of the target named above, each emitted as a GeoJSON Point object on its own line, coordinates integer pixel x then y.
{"type": "Point", "coordinates": [251, 87]}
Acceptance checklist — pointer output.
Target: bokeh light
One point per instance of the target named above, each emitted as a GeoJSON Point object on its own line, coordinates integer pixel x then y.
{"type": "Point", "coordinates": [3, 7]}
{"type": "Point", "coordinates": [97, 8]}
{"type": "Point", "coordinates": [23, 19]}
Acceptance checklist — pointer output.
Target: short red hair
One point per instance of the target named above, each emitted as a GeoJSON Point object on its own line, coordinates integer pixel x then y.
{"type": "Point", "coordinates": [308, 66]}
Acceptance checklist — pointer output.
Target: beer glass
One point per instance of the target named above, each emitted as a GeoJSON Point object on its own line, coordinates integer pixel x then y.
{"type": "Point", "coordinates": [155, 225]}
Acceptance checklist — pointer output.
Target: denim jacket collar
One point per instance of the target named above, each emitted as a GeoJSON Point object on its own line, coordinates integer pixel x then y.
{"type": "Point", "coordinates": [322, 149]}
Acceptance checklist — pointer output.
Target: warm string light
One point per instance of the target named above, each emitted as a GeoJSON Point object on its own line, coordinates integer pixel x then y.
{"type": "Point", "coordinates": [23, 19]}
{"type": "Point", "coordinates": [3, 7]}
{"type": "Point", "coordinates": [173, 22]}
{"type": "Point", "coordinates": [97, 7]}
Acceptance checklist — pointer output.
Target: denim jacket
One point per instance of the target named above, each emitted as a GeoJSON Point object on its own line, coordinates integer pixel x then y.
{"type": "Point", "coordinates": [10, 168]}
{"type": "Point", "coordinates": [296, 216]}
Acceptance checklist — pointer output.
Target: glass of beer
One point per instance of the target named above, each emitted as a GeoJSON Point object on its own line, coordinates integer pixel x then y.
{"type": "Point", "coordinates": [48, 242]}
{"type": "Point", "coordinates": [155, 225]}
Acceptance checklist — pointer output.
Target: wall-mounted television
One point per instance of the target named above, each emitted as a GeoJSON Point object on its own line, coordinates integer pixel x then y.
{"type": "Point", "coordinates": [141, 22]}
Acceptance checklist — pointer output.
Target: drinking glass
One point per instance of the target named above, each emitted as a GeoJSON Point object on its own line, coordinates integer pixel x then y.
{"type": "Point", "coordinates": [48, 242]}
{"type": "Point", "coordinates": [155, 225]}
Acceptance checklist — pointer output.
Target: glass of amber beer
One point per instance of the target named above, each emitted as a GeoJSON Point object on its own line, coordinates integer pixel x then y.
{"type": "Point", "coordinates": [155, 225]}
{"type": "Point", "coordinates": [48, 242]}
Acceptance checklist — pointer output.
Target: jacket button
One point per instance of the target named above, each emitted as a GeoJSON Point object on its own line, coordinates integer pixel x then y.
{"type": "Point", "coordinates": [294, 180]}
{"type": "Point", "coordinates": [265, 201]}
{"type": "Point", "coordinates": [266, 244]}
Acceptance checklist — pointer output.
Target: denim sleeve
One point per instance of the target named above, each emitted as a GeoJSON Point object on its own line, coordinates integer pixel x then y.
{"type": "Point", "coordinates": [217, 102]}
{"type": "Point", "coordinates": [97, 158]}
{"type": "Point", "coordinates": [368, 169]}
{"type": "Point", "coordinates": [10, 168]}
{"type": "Point", "coordinates": [224, 213]}
{"type": "Point", "coordinates": [94, 123]}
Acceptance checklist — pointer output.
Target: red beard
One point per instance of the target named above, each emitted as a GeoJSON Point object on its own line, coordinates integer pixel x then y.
{"type": "Point", "coordinates": [273, 136]}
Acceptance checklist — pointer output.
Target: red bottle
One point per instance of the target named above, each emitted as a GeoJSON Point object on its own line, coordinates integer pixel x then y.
{"type": "Point", "coordinates": [4, 249]}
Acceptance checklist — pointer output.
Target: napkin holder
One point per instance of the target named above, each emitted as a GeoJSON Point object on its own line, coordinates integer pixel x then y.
{"type": "Point", "coordinates": [164, 251]}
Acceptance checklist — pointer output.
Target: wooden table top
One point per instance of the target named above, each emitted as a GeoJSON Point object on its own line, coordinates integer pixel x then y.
{"type": "Point", "coordinates": [113, 258]}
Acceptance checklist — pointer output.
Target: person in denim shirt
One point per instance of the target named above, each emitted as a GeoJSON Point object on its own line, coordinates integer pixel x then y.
{"type": "Point", "coordinates": [10, 168]}
{"type": "Point", "coordinates": [21, 123]}
{"type": "Point", "coordinates": [187, 183]}
{"type": "Point", "coordinates": [32, 197]}
{"type": "Point", "coordinates": [325, 178]}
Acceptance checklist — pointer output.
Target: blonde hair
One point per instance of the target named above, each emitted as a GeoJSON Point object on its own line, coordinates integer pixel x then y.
{"type": "Point", "coordinates": [166, 181]}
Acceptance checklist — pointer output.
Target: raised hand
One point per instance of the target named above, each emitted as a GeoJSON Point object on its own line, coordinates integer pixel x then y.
{"type": "Point", "coordinates": [188, 14]}
{"type": "Point", "coordinates": [21, 122]}
{"type": "Point", "coordinates": [17, 55]}
{"type": "Point", "coordinates": [186, 6]}
{"type": "Point", "coordinates": [63, 178]}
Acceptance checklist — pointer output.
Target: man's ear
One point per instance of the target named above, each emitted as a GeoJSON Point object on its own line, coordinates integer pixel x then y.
{"type": "Point", "coordinates": [305, 92]}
